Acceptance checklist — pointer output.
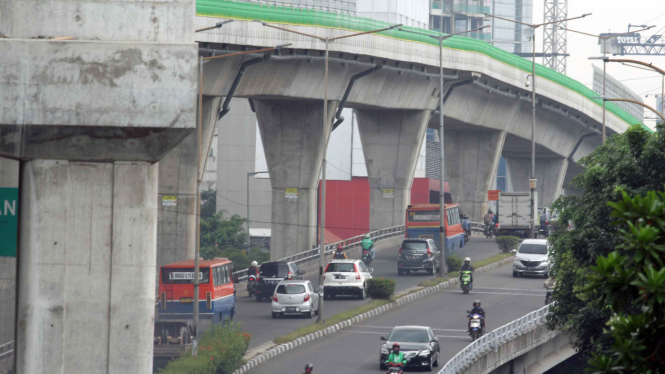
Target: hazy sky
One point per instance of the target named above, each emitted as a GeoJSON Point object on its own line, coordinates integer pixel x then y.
{"type": "Point", "coordinates": [610, 16]}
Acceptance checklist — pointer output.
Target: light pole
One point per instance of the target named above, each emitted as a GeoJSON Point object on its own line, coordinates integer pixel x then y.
{"type": "Point", "coordinates": [604, 40]}
{"type": "Point", "coordinates": [443, 268]}
{"type": "Point", "coordinates": [202, 165]}
{"type": "Point", "coordinates": [632, 101]}
{"type": "Point", "coordinates": [216, 26]}
{"type": "Point", "coordinates": [324, 132]}
{"type": "Point", "coordinates": [533, 181]}
{"type": "Point", "coordinates": [250, 175]}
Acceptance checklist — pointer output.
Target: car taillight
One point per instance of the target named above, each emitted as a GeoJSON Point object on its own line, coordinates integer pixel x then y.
{"type": "Point", "coordinates": [274, 298]}
{"type": "Point", "coordinates": [327, 266]}
{"type": "Point", "coordinates": [306, 297]}
{"type": "Point", "coordinates": [429, 253]}
{"type": "Point", "coordinates": [289, 275]}
{"type": "Point", "coordinates": [355, 268]}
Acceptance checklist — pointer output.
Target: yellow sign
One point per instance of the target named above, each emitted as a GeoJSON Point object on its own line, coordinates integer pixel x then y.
{"type": "Point", "coordinates": [291, 193]}
{"type": "Point", "coordinates": [388, 193]}
{"type": "Point", "coordinates": [169, 200]}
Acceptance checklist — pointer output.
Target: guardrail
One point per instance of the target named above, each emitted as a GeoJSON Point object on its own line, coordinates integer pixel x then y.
{"type": "Point", "coordinates": [477, 226]}
{"type": "Point", "coordinates": [491, 341]}
{"type": "Point", "coordinates": [313, 254]}
{"type": "Point", "coordinates": [6, 349]}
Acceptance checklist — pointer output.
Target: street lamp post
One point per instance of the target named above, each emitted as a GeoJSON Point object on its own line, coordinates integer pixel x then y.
{"type": "Point", "coordinates": [443, 268]}
{"type": "Point", "coordinates": [250, 175]}
{"type": "Point", "coordinates": [322, 227]}
{"type": "Point", "coordinates": [199, 179]}
{"type": "Point", "coordinates": [604, 40]}
{"type": "Point", "coordinates": [533, 181]}
{"type": "Point", "coordinates": [634, 102]}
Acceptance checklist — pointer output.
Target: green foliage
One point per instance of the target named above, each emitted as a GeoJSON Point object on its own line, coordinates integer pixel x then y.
{"type": "Point", "coordinates": [454, 263]}
{"type": "Point", "coordinates": [380, 288]}
{"type": "Point", "coordinates": [225, 233]}
{"type": "Point", "coordinates": [220, 352]}
{"type": "Point", "coordinates": [630, 281]}
{"type": "Point", "coordinates": [507, 243]}
{"type": "Point", "coordinates": [239, 258]}
{"type": "Point", "coordinates": [208, 203]}
{"type": "Point", "coordinates": [632, 163]}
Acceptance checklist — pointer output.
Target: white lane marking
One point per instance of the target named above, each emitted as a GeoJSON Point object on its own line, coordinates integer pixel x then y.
{"type": "Point", "coordinates": [379, 333]}
{"type": "Point", "coordinates": [512, 289]}
{"type": "Point", "coordinates": [390, 328]}
{"type": "Point", "coordinates": [497, 293]}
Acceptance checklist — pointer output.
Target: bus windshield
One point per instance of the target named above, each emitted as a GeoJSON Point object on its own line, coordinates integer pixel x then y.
{"type": "Point", "coordinates": [184, 275]}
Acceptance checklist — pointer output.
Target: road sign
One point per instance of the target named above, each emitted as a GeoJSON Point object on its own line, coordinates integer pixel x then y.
{"type": "Point", "coordinates": [291, 193]}
{"type": "Point", "coordinates": [493, 195]}
{"type": "Point", "coordinates": [8, 221]}
{"type": "Point", "coordinates": [170, 200]}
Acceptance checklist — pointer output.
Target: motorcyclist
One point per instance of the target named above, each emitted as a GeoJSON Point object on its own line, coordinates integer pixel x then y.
{"type": "Point", "coordinates": [253, 269]}
{"type": "Point", "coordinates": [466, 225]}
{"type": "Point", "coordinates": [396, 357]}
{"type": "Point", "coordinates": [478, 310]}
{"type": "Point", "coordinates": [489, 217]}
{"type": "Point", "coordinates": [466, 267]}
{"type": "Point", "coordinates": [339, 254]}
{"type": "Point", "coordinates": [308, 369]}
{"type": "Point", "coordinates": [368, 245]}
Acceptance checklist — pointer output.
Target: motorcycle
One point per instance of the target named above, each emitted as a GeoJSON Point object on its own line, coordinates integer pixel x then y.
{"type": "Point", "coordinates": [466, 284]}
{"type": "Point", "coordinates": [467, 235]}
{"type": "Point", "coordinates": [488, 231]}
{"type": "Point", "coordinates": [475, 326]}
{"type": "Point", "coordinates": [367, 256]}
{"type": "Point", "coordinates": [394, 368]}
{"type": "Point", "coordinates": [251, 285]}
{"type": "Point", "coordinates": [495, 229]}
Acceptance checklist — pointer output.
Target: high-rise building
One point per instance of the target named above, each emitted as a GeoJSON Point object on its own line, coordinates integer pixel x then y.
{"type": "Point", "coordinates": [470, 15]}
{"type": "Point", "coordinates": [414, 13]}
{"type": "Point", "coordinates": [615, 89]}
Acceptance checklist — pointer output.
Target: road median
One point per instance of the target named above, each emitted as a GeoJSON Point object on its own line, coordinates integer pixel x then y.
{"type": "Point", "coordinates": [351, 317]}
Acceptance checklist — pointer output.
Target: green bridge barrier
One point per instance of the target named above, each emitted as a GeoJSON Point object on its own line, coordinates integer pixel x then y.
{"type": "Point", "coordinates": [310, 17]}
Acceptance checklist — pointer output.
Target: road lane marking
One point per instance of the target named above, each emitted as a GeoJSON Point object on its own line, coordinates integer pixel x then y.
{"type": "Point", "coordinates": [380, 333]}
{"type": "Point", "coordinates": [498, 293]}
{"type": "Point", "coordinates": [512, 289]}
{"type": "Point", "coordinates": [390, 328]}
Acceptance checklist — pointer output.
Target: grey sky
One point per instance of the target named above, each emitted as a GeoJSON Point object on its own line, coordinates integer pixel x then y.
{"type": "Point", "coordinates": [610, 16]}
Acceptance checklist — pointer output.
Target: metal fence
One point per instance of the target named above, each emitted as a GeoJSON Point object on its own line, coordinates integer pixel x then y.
{"type": "Point", "coordinates": [490, 342]}
{"type": "Point", "coordinates": [313, 254]}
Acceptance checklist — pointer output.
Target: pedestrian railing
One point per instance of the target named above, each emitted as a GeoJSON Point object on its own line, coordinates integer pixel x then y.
{"type": "Point", "coordinates": [477, 226]}
{"type": "Point", "coordinates": [313, 254]}
{"type": "Point", "coordinates": [491, 342]}
{"type": "Point", "coordinates": [6, 350]}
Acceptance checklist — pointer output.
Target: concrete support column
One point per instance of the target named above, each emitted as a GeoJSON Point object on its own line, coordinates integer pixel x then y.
{"type": "Point", "coordinates": [391, 142]}
{"type": "Point", "coordinates": [86, 292]}
{"type": "Point", "coordinates": [292, 138]}
{"type": "Point", "coordinates": [472, 158]}
{"type": "Point", "coordinates": [8, 179]}
{"type": "Point", "coordinates": [550, 173]}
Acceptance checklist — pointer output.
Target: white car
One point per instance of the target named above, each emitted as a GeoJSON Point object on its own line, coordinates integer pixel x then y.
{"type": "Point", "coordinates": [346, 277]}
{"type": "Point", "coordinates": [295, 297]}
{"type": "Point", "coordinates": [532, 258]}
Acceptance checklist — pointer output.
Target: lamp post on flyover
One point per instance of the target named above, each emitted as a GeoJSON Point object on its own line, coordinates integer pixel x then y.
{"type": "Point", "coordinates": [443, 268]}
{"type": "Point", "coordinates": [533, 181]}
{"type": "Point", "coordinates": [634, 102]}
{"type": "Point", "coordinates": [202, 165]}
{"type": "Point", "coordinates": [250, 175]}
{"type": "Point", "coordinates": [216, 26]}
{"type": "Point", "coordinates": [604, 40]}
{"type": "Point", "coordinates": [322, 234]}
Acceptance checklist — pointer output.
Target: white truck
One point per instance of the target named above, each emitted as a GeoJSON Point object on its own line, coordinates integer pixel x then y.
{"type": "Point", "coordinates": [515, 213]}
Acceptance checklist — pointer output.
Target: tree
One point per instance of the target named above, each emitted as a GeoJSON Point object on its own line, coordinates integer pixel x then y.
{"type": "Point", "coordinates": [208, 203]}
{"type": "Point", "coordinates": [223, 233]}
{"type": "Point", "coordinates": [632, 163]}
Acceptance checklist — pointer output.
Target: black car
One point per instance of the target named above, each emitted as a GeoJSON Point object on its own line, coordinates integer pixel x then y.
{"type": "Point", "coordinates": [418, 254]}
{"type": "Point", "coordinates": [273, 272]}
{"type": "Point", "coordinates": [418, 344]}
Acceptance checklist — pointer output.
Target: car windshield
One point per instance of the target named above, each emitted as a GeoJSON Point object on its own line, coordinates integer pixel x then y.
{"type": "Point", "coordinates": [409, 336]}
{"type": "Point", "coordinates": [538, 249]}
{"type": "Point", "coordinates": [274, 270]}
{"type": "Point", "coordinates": [341, 267]}
{"type": "Point", "coordinates": [290, 289]}
{"type": "Point", "coordinates": [414, 246]}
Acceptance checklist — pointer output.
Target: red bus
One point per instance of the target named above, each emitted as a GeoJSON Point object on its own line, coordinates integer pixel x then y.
{"type": "Point", "coordinates": [422, 221]}
{"type": "Point", "coordinates": [217, 294]}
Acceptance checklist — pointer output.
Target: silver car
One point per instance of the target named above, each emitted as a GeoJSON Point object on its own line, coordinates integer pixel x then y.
{"type": "Point", "coordinates": [295, 297]}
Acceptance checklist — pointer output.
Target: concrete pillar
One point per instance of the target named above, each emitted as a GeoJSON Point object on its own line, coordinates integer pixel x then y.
{"type": "Point", "coordinates": [88, 235]}
{"type": "Point", "coordinates": [292, 138]}
{"type": "Point", "coordinates": [550, 173]}
{"type": "Point", "coordinates": [8, 179]}
{"type": "Point", "coordinates": [391, 142]}
{"type": "Point", "coordinates": [472, 158]}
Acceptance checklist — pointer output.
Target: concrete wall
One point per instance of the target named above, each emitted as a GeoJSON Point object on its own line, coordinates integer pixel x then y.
{"type": "Point", "coordinates": [8, 178]}
{"type": "Point", "coordinates": [550, 173]}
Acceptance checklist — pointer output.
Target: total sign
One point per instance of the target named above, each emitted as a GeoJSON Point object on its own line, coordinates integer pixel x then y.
{"type": "Point", "coordinates": [8, 221]}
{"type": "Point", "coordinates": [628, 39]}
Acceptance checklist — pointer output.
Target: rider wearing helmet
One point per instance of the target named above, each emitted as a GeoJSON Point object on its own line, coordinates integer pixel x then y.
{"type": "Point", "coordinates": [396, 357]}
{"type": "Point", "coordinates": [467, 267]}
{"type": "Point", "coordinates": [489, 217]}
{"type": "Point", "coordinates": [368, 245]}
{"type": "Point", "coordinates": [478, 310]}
{"type": "Point", "coordinates": [339, 254]}
{"type": "Point", "coordinates": [308, 369]}
{"type": "Point", "coordinates": [253, 269]}
{"type": "Point", "coordinates": [466, 225]}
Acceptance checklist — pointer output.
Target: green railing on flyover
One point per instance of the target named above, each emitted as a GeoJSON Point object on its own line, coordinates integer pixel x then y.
{"type": "Point", "coordinates": [304, 17]}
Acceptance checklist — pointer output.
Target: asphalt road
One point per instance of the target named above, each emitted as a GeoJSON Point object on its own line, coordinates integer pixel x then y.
{"type": "Point", "coordinates": [356, 350]}
{"type": "Point", "coordinates": [256, 317]}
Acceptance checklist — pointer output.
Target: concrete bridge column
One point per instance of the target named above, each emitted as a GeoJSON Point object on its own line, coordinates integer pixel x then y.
{"type": "Point", "coordinates": [391, 140]}
{"type": "Point", "coordinates": [87, 251]}
{"type": "Point", "coordinates": [550, 173]}
{"type": "Point", "coordinates": [472, 158]}
{"type": "Point", "coordinates": [292, 138]}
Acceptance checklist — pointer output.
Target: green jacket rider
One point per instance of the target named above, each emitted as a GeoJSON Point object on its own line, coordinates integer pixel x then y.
{"type": "Point", "coordinates": [368, 245]}
{"type": "Point", "coordinates": [396, 357]}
